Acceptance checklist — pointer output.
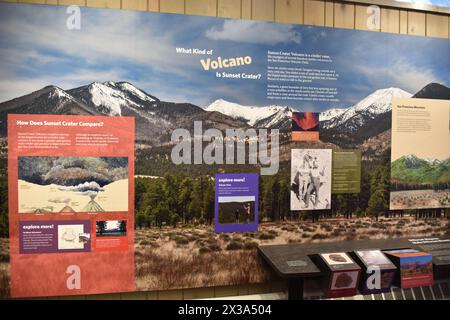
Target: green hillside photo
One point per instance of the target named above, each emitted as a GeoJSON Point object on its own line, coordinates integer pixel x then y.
{"type": "Point", "coordinates": [411, 171]}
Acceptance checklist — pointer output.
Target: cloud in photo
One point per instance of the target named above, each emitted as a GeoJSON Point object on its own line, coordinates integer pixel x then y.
{"type": "Point", "coordinates": [401, 74]}
{"type": "Point", "coordinates": [37, 50]}
{"type": "Point", "coordinates": [12, 86]}
{"type": "Point", "coordinates": [102, 37]}
{"type": "Point", "coordinates": [254, 32]}
{"type": "Point", "coordinates": [416, 1]}
{"type": "Point", "coordinates": [442, 3]}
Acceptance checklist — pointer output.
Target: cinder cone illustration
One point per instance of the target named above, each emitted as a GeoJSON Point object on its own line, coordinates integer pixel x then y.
{"type": "Point", "coordinates": [93, 206]}
{"type": "Point", "coordinates": [41, 210]}
{"type": "Point", "coordinates": [67, 208]}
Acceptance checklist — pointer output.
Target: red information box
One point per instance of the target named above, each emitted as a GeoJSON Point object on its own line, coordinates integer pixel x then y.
{"type": "Point", "coordinates": [341, 274]}
{"type": "Point", "coordinates": [415, 267]}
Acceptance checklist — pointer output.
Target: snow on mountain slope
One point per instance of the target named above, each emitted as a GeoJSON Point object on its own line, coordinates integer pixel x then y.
{"type": "Point", "coordinates": [279, 119]}
{"type": "Point", "coordinates": [380, 101]}
{"type": "Point", "coordinates": [125, 86]}
{"type": "Point", "coordinates": [111, 97]}
{"type": "Point", "coordinates": [104, 96]}
{"type": "Point", "coordinates": [432, 160]}
{"type": "Point", "coordinates": [154, 119]}
{"type": "Point", "coordinates": [279, 116]}
{"type": "Point", "coordinates": [374, 104]}
{"type": "Point", "coordinates": [270, 115]}
{"type": "Point", "coordinates": [331, 113]}
{"type": "Point", "coordinates": [59, 93]}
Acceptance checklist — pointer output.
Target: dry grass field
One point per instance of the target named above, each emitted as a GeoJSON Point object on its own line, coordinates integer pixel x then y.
{"type": "Point", "coordinates": [189, 257]}
{"type": "Point", "coordinates": [420, 199]}
{"type": "Point", "coordinates": [196, 257]}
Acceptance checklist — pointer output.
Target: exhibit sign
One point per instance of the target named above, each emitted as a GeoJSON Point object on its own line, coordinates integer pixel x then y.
{"type": "Point", "coordinates": [346, 171]}
{"type": "Point", "coordinates": [212, 99]}
{"type": "Point", "coordinates": [236, 204]}
{"type": "Point", "coordinates": [71, 204]}
{"type": "Point", "coordinates": [311, 179]}
{"type": "Point", "coordinates": [420, 154]}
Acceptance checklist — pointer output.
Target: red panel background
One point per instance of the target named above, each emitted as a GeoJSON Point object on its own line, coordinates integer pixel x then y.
{"type": "Point", "coordinates": [45, 274]}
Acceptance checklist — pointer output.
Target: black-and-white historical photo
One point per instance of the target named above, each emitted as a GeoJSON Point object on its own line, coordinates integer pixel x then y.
{"type": "Point", "coordinates": [310, 179]}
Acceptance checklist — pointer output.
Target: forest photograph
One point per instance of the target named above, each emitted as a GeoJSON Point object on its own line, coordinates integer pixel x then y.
{"type": "Point", "coordinates": [133, 69]}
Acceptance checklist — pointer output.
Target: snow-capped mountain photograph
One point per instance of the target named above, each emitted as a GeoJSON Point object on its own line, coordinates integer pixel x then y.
{"type": "Point", "coordinates": [130, 64]}
{"type": "Point", "coordinates": [272, 116]}
{"type": "Point", "coordinates": [124, 70]}
{"type": "Point", "coordinates": [164, 90]}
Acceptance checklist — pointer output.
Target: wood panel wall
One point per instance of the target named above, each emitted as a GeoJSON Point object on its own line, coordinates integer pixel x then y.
{"type": "Point", "coordinates": [310, 12]}
{"type": "Point", "coordinates": [328, 13]}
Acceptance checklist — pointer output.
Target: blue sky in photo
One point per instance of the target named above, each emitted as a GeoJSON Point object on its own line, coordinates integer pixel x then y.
{"type": "Point", "coordinates": [37, 49]}
{"type": "Point", "coordinates": [440, 3]}
{"type": "Point", "coordinates": [417, 259]}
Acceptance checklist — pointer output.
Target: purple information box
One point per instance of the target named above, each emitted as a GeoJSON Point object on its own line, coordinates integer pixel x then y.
{"type": "Point", "coordinates": [55, 236]}
{"type": "Point", "coordinates": [236, 202]}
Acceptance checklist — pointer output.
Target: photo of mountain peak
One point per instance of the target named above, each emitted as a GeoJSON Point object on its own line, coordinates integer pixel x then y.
{"type": "Point", "coordinates": [155, 119]}
{"type": "Point", "coordinates": [420, 183]}
{"type": "Point", "coordinates": [411, 168]}
{"type": "Point", "coordinates": [126, 63]}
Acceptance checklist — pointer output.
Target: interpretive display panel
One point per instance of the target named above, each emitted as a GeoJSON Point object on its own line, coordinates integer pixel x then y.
{"type": "Point", "coordinates": [236, 204]}
{"type": "Point", "coordinates": [420, 158]}
{"type": "Point", "coordinates": [211, 99]}
{"type": "Point", "coordinates": [71, 200]}
{"type": "Point", "coordinates": [346, 171]}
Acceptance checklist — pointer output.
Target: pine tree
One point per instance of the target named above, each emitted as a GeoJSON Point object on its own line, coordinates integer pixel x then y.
{"type": "Point", "coordinates": [268, 200]}
{"type": "Point", "coordinates": [170, 189]}
{"type": "Point", "coordinates": [208, 203]}
{"type": "Point", "coordinates": [377, 204]}
{"type": "Point", "coordinates": [285, 200]}
{"type": "Point", "coordinates": [141, 219]}
{"type": "Point", "coordinates": [275, 200]}
{"type": "Point", "coordinates": [123, 227]}
{"type": "Point", "coordinates": [160, 215]}
{"type": "Point", "coordinates": [184, 197]}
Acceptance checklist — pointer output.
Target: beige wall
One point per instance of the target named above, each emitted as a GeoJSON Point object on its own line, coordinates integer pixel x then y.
{"type": "Point", "coordinates": [311, 12]}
